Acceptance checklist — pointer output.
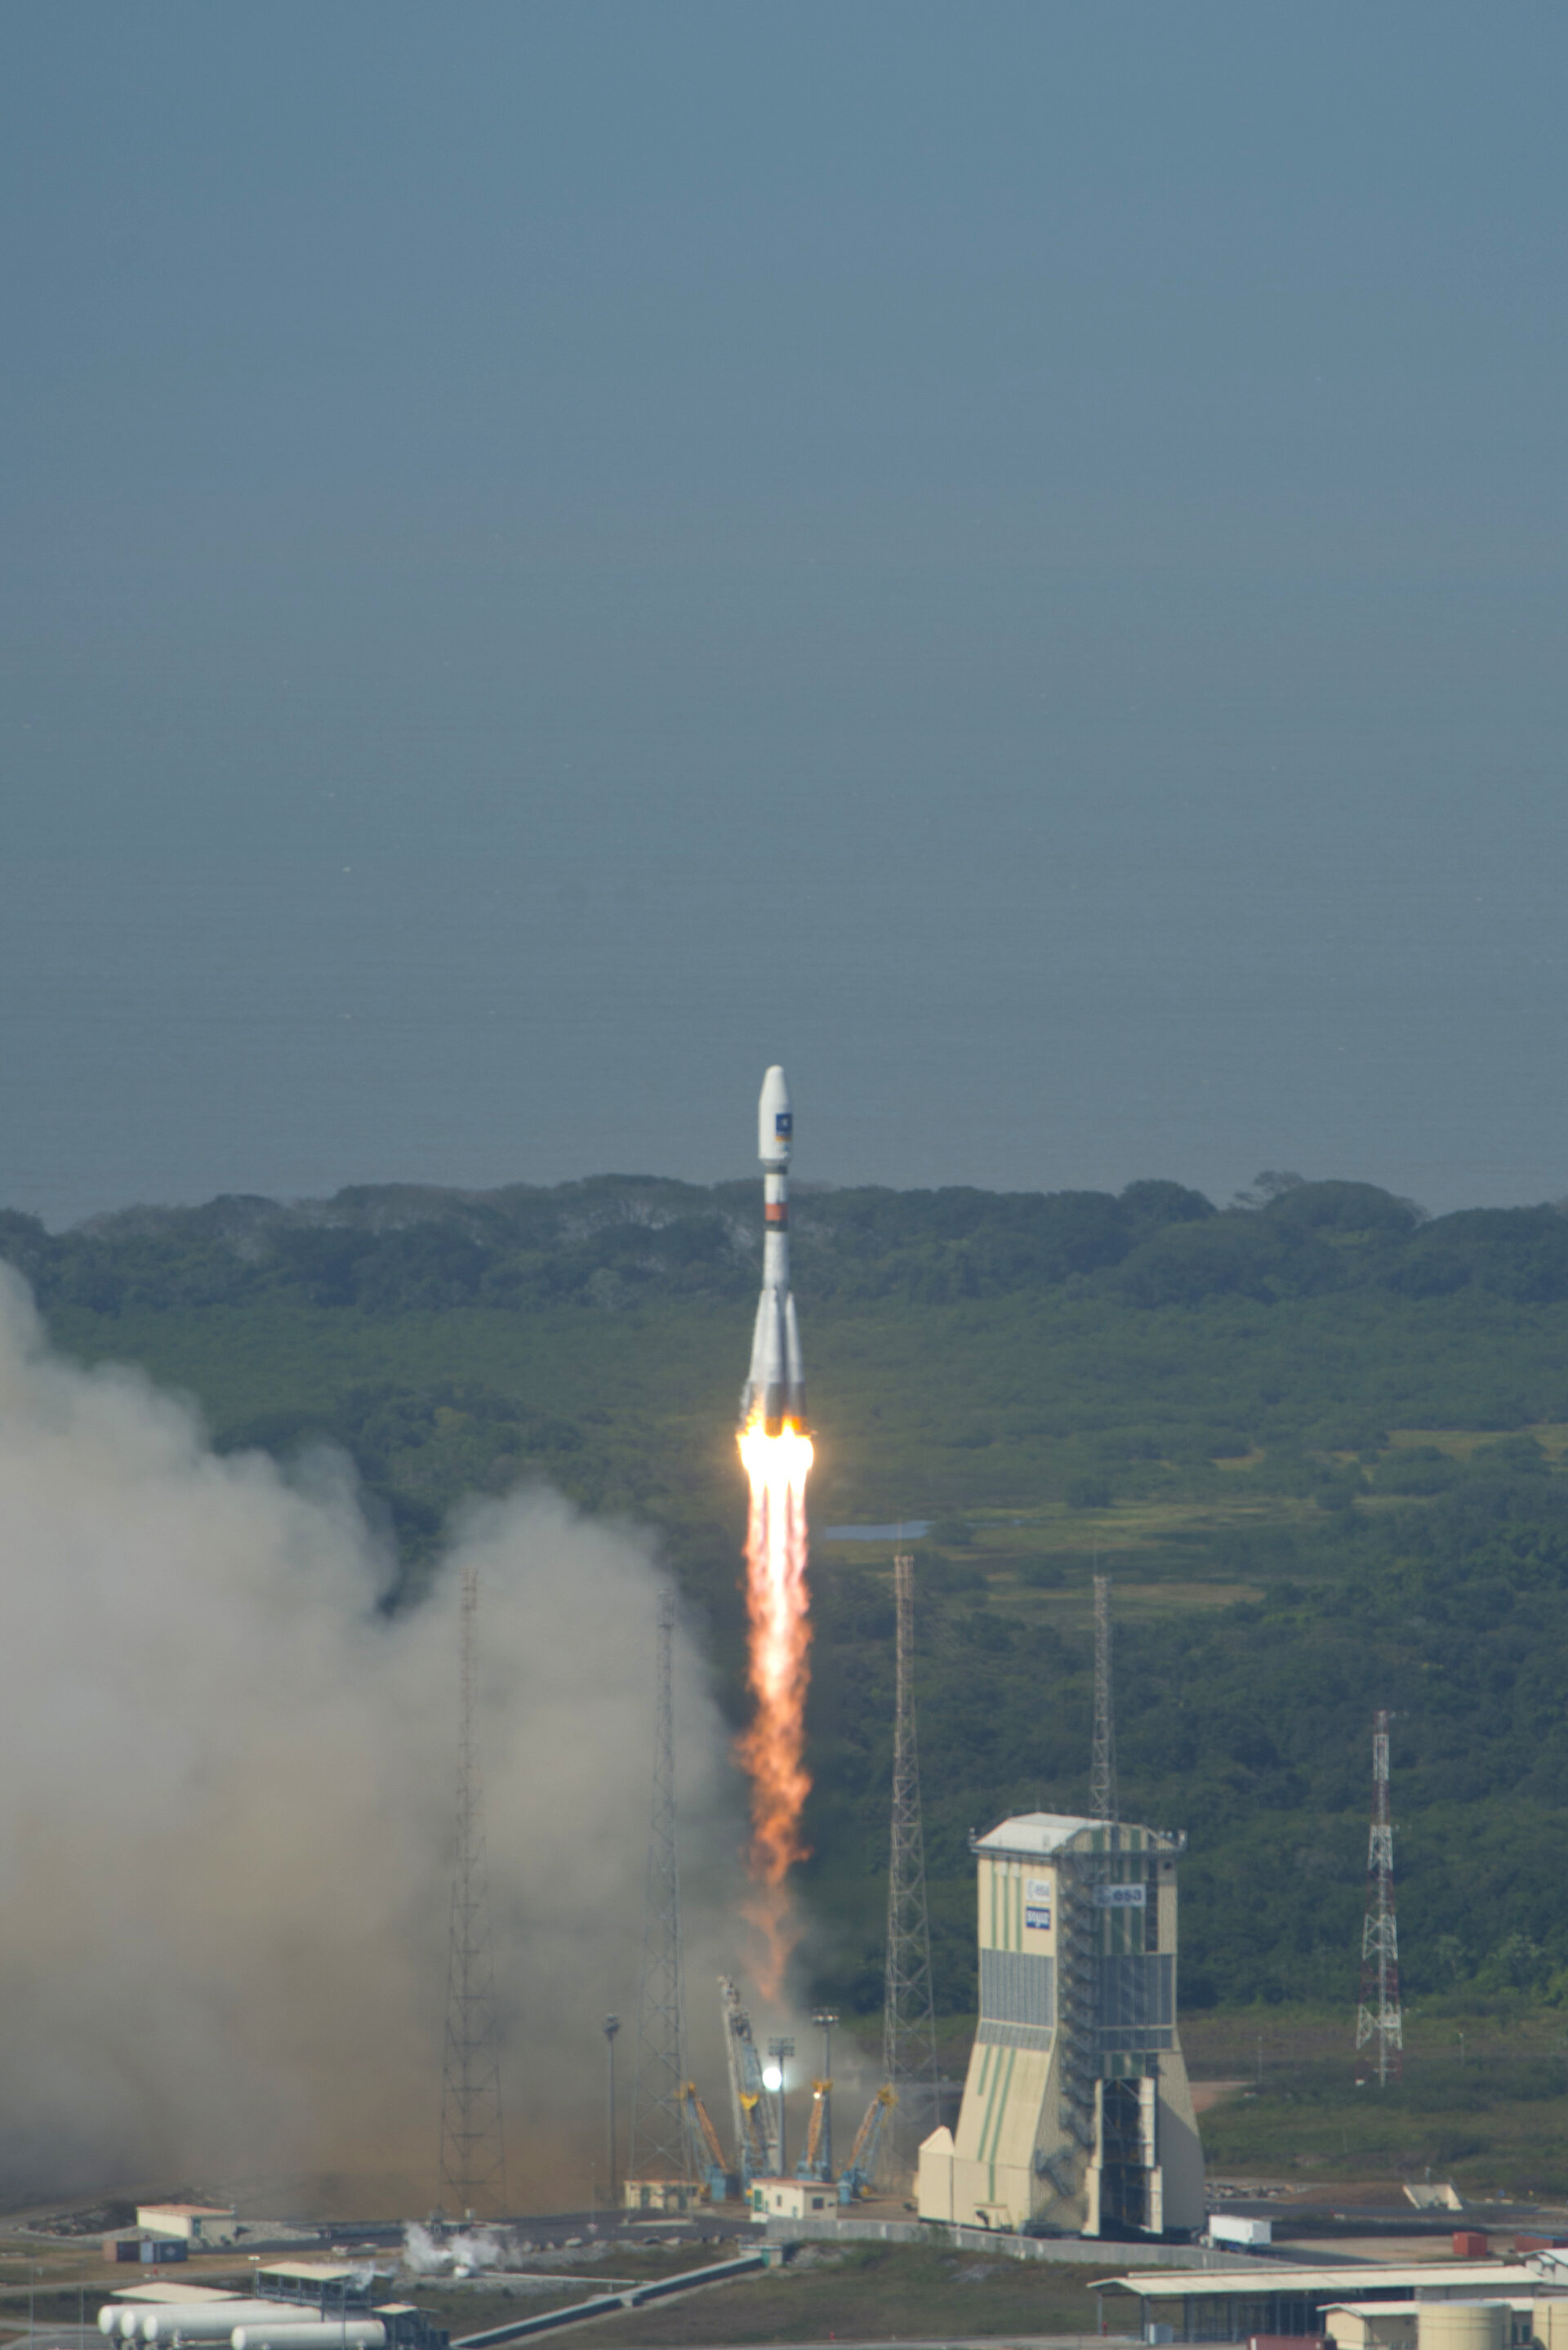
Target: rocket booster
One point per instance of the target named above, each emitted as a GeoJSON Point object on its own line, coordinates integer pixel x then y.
{"type": "Point", "coordinates": [774, 1392]}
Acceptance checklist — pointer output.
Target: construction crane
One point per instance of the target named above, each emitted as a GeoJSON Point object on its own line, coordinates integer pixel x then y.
{"type": "Point", "coordinates": [756, 2129]}
{"type": "Point", "coordinates": [813, 2163]}
{"type": "Point", "coordinates": [857, 2173]}
{"type": "Point", "coordinates": [706, 2154]}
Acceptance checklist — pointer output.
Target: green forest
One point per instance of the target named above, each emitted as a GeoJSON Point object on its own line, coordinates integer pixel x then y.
{"type": "Point", "coordinates": [1316, 1437]}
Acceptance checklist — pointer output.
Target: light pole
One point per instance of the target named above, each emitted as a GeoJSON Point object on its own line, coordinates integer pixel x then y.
{"type": "Point", "coordinates": [612, 2025]}
{"type": "Point", "coordinates": [827, 2017]}
{"type": "Point", "coordinates": [780, 2050]}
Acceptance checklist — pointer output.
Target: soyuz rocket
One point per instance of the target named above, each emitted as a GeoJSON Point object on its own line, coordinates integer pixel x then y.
{"type": "Point", "coordinates": [774, 1392]}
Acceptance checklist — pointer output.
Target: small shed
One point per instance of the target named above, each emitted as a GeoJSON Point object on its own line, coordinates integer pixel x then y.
{"type": "Point", "coordinates": [196, 2223]}
{"type": "Point", "coordinates": [1372, 2325]}
{"type": "Point", "coordinates": [671, 2198]}
{"type": "Point", "coordinates": [790, 2199]}
{"type": "Point", "coordinates": [328, 2287]}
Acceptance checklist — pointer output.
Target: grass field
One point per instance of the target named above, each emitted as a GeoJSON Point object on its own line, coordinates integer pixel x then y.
{"type": "Point", "coordinates": [475, 2308]}
{"type": "Point", "coordinates": [1483, 2100]}
{"type": "Point", "coordinates": [1496, 2121]}
{"type": "Point", "coordinates": [873, 2293]}
{"type": "Point", "coordinates": [881, 2292]}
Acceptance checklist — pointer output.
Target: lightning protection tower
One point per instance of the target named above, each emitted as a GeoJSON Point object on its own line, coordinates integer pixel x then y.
{"type": "Point", "coordinates": [1103, 1754]}
{"type": "Point", "coordinates": [660, 2148]}
{"type": "Point", "coordinates": [472, 2159]}
{"type": "Point", "coordinates": [908, 2023]}
{"type": "Point", "coordinates": [1377, 2018]}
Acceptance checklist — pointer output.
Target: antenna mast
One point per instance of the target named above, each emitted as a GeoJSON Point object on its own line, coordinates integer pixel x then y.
{"type": "Point", "coordinates": [472, 2159]}
{"type": "Point", "coordinates": [1103, 1755]}
{"type": "Point", "coordinates": [1378, 2016]}
{"type": "Point", "coordinates": [660, 2146]}
{"type": "Point", "coordinates": [908, 2023]}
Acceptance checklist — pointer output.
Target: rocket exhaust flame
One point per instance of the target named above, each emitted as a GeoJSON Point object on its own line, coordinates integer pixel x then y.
{"type": "Point", "coordinates": [777, 1608]}
{"type": "Point", "coordinates": [777, 1452]}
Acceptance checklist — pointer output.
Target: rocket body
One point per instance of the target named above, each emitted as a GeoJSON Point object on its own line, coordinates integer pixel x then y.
{"type": "Point", "coordinates": [774, 1392]}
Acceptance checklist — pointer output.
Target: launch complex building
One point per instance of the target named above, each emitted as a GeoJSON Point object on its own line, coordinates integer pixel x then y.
{"type": "Point", "coordinates": [1076, 2114]}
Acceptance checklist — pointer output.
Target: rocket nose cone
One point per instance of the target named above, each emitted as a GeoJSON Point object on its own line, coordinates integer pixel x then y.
{"type": "Point", "coordinates": [775, 1121]}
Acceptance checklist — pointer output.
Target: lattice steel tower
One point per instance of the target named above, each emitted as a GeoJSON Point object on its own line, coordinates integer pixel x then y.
{"type": "Point", "coordinates": [908, 2023]}
{"type": "Point", "coordinates": [1378, 2016]}
{"type": "Point", "coordinates": [659, 2145]}
{"type": "Point", "coordinates": [472, 2160]}
{"type": "Point", "coordinates": [1103, 1754]}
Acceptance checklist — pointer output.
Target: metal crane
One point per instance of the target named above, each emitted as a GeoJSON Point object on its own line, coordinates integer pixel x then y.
{"type": "Point", "coordinates": [813, 2163]}
{"type": "Point", "coordinates": [756, 2128]}
{"type": "Point", "coordinates": [856, 2177]}
{"type": "Point", "coordinates": [706, 2154]}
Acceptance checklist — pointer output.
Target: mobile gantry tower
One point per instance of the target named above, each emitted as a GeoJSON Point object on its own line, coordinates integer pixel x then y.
{"type": "Point", "coordinates": [1076, 2114]}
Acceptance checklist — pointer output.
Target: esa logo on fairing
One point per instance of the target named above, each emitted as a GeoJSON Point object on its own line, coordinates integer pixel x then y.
{"type": "Point", "coordinates": [784, 1123]}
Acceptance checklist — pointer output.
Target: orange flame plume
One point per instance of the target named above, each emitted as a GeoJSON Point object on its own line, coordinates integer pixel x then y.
{"type": "Point", "coordinates": [777, 1604]}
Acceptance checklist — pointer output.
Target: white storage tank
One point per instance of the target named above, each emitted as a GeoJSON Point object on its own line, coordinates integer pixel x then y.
{"type": "Point", "coordinates": [283, 2333]}
{"type": "Point", "coordinates": [1551, 2320]}
{"type": "Point", "coordinates": [200, 2321]}
{"type": "Point", "coordinates": [1462, 2325]}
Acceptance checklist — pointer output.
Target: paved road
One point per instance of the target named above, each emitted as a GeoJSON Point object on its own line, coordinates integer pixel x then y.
{"type": "Point", "coordinates": [595, 2228]}
{"type": "Point", "coordinates": [955, 2342]}
{"type": "Point", "coordinates": [59, 2337]}
{"type": "Point", "coordinates": [88, 2338]}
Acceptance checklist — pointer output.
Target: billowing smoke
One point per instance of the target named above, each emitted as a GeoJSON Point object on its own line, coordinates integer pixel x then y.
{"type": "Point", "coordinates": [467, 2251]}
{"type": "Point", "coordinates": [226, 1821]}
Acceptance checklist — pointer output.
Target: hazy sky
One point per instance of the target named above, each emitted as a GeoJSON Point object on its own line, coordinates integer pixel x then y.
{"type": "Point", "coordinates": [1008, 555]}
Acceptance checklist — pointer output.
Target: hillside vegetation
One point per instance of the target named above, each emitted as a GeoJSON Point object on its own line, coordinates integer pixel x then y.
{"type": "Point", "coordinates": [1315, 1437]}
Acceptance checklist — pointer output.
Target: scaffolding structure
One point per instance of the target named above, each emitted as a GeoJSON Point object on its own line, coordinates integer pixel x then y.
{"type": "Point", "coordinates": [1103, 1801]}
{"type": "Point", "coordinates": [755, 2114]}
{"type": "Point", "coordinates": [471, 2164]}
{"type": "Point", "coordinates": [660, 2143]}
{"type": "Point", "coordinates": [908, 2019]}
{"type": "Point", "coordinates": [1378, 2020]}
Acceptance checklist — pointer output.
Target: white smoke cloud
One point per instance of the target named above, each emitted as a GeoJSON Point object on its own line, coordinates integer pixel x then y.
{"type": "Point", "coordinates": [467, 2251]}
{"type": "Point", "coordinates": [226, 1818]}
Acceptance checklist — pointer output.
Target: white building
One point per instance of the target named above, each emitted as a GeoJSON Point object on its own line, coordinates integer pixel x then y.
{"type": "Point", "coordinates": [1361, 2305]}
{"type": "Point", "coordinates": [790, 2199]}
{"type": "Point", "coordinates": [198, 2223]}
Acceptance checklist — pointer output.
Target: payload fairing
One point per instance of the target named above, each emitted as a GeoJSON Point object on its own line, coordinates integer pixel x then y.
{"type": "Point", "coordinates": [774, 1392]}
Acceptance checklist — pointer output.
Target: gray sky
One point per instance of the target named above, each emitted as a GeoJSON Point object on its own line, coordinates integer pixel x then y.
{"type": "Point", "coordinates": [1009, 557]}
